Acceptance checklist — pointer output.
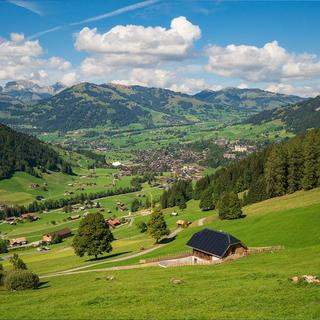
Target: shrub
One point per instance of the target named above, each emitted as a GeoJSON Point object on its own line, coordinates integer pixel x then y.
{"type": "Point", "coordinates": [17, 262]}
{"type": "Point", "coordinates": [56, 239]}
{"type": "Point", "coordinates": [21, 280]}
{"type": "Point", "coordinates": [1, 275]}
{"type": "Point", "coordinates": [3, 246]}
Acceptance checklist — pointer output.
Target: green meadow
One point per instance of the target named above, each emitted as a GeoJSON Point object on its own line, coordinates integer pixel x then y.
{"type": "Point", "coordinates": [253, 287]}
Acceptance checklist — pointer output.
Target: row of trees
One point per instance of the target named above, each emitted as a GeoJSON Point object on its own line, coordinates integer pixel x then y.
{"type": "Point", "coordinates": [50, 204]}
{"type": "Point", "coordinates": [177, 195]}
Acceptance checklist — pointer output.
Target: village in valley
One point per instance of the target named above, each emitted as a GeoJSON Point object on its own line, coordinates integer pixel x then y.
{"type": "Point", "coordinates": [159, 160]}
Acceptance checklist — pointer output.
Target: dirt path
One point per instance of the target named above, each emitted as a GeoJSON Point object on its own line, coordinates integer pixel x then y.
{"type": "Point", "coordinates": [134, 255]}
{"type": "Point", "coordinates": [201, 221]}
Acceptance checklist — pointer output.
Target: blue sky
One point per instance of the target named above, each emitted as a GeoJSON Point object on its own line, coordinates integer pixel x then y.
{"type": "Point", "coordinates": [182, 45]}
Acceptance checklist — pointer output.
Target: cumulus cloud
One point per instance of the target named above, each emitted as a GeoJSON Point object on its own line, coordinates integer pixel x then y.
{"type": "Point", "coordinates": [268, 63]}
{"type": "Point", "coordinates": [20, 59]}
{"type": "Point", "coordinates": [300, 90]}
{"type": "Point", "coordinates": [136, 46]}
{"type": "Point", "coordinates": [165, 79]}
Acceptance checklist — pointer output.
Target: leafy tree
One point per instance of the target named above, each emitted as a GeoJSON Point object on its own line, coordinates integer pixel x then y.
{"type": "Point", "coordinates": [94, 237]}
{"type": "Point", "coordinates": [3, 246]}
{"type": "Point", "coordinates": [230, 206]}
{"type": "Point", "coordinates": [135, 205]}
{"type": "Point", "coordinates": [142, 226]}
{"type": "Point", "coordinates": [157, 226]}
{"type": "Point", "coordinates": [17, 262]}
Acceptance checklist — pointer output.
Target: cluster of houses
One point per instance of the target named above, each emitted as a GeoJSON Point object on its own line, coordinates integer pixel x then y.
{"type": "Point", "coordinates": [235, 149]}
{"type": "Point", "coordinates": [24, 217]}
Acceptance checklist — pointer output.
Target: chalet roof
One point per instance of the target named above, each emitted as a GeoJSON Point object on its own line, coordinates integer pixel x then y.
{"type": "Point", "coordinates": [212, 242]}
{"type": "Point", "coordinates": [62, 232]}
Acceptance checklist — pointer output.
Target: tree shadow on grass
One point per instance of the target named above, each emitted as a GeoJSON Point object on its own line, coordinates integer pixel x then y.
{"type": "Point", "coordinates": [43, 285]}
{"type": "Point", "coordinates": [109, 256]}
{"type": "Point", "coordinates": [167, 240]}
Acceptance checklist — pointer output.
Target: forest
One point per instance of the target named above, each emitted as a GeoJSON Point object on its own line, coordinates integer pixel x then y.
{"type": "Point", "coordinates": [21, 152]}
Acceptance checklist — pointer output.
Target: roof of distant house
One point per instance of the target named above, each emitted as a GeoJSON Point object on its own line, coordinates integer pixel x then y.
{"type": "Point", "coordinates": [213, 242]}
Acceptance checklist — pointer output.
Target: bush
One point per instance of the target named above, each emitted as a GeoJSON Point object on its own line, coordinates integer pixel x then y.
{"type": "Point", "coordinates": [56, 239]}
{"type": "Point", "coordinates": [1, 275]}
{"type": "Point", "coordinates": [17, 262]}
{"type": "Point", "coordinates": [3, 246]}
{"type": "Point", "coordinates": [21, 280]}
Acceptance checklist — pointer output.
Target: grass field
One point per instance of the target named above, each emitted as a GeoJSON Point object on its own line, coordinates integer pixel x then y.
{"type": "Point", "coordinates": [254, 287]}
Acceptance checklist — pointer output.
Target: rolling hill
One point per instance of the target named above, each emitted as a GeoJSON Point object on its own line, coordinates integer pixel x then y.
{"type": "Point", "coordinates": [296, 118]}
{"type": "Point", "coordinates": [88, 105]}
{"type": "Point", "coordinates": [248, 99]}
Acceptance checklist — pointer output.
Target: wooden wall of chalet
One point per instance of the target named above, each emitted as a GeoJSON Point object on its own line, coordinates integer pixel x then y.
{"type": "Point", "coordinates": [201, 255]}
{"type": "Point", "coordinates": [237, 250]}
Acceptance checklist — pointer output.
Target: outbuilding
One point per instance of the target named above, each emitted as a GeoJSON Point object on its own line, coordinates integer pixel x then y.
{"type": "Point", "coordinates": [212, 245]}
{"type": "Point", "coordinates": [63, 233]}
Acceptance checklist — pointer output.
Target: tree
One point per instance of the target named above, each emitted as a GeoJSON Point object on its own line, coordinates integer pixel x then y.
{"type": "Point", "coordinates": [3, 246]}
{"type": "Point", "coordinates": [135, 205]}
{"type": "Point", "coordinates": [230, 206]}
{"type": "Point", "coordinates": [17, 262]}
{"type": "Point", "coordinates": [157, 226]}
{"type": "Point", "coordinates": [206, 200]}
{"type": "Point", "coordinates": [142, 226]}
{"type": "Point", "coordinates": [93, 237]}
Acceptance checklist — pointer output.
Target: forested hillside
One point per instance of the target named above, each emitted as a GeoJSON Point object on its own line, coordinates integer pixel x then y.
{"type": "Point", "coordinates": [249, 99]}
{"type": "Point", "coordinates": [20, 152]}
{"type": "Point", "coordinates": [280, 169]}
{"type": "Point", "coordinates": [296, 118]}
{"type": "Point", "coordinates": [88, 105]}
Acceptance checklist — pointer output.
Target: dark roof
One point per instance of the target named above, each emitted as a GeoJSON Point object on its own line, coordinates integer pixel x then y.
{"type": "Point", "coordinates": [62, 232]}
{"type": "Point", "coordinates": [212, 242]}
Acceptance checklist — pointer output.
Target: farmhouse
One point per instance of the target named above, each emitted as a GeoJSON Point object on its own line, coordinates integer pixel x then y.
{"type": "Point", "coordinates": [18, 241]}
{"type": "Point", "coordinates": [30, 216]}
{"type": "Point", "coordinates": [113, 222]}
{"type": "Point", "coordinates": [63, 233]}
{"type": "Point", "coordinates": [212, 245]}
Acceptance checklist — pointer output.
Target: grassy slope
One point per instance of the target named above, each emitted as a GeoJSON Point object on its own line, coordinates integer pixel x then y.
{"type": "Point", "coordinates": [253, 287]}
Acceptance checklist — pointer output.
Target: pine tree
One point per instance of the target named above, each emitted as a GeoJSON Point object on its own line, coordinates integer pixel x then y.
{"type": "Point", "coordinates": [157, 226]}
{"type": "Point", "coordinates": [230, 206]}
{"type": "Point", "coordinates": [311, 161]}
{"type": "Point", "coordinates": [206, 200]}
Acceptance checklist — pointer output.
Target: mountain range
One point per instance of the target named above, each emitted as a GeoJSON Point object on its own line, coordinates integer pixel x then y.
{"type": "Point", "coordinates": [88, 105]}
{"type": "Point", "coordinates": [28, 92]}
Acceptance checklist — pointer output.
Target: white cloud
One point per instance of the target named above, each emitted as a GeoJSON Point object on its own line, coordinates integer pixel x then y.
{"type": "Point", "coordinates": [268, 63]}
{"type": "Point", "coordinates": [69, 79]}
{"type": "Point", "coordinates": [20, 59]}
{"type": "Point", "coordinates": [300, 90]}
{"type": "Point", "coordinates": [136, 46]}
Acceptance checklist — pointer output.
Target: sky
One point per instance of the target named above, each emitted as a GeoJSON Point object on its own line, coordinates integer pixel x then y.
{"type": "Point", "coordinates": [182, 45]}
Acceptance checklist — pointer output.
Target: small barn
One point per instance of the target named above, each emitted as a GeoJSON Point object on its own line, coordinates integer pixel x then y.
{"type": "Point", "coordinates": [18, 241]}
{"type": "Point", "coordinates": [212, 245]}
{"type": "Point", "coordinates": [63, 233]}
{"type": "Point", "coordinates": [113, 222]}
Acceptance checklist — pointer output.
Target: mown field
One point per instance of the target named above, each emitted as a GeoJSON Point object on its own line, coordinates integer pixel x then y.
{"type": "Point", "coordinates": [18, 190]}
{"type": "Point", "coordinates": [254, 287]}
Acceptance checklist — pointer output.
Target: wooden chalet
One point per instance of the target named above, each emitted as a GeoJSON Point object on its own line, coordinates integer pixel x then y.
{"type": "Point", "coordinates": [63, 233]}
{"type": "Point", "coordinates": [113, 222]}
{"type": "Point", "coordinates": [211, 245]}
{"type": "Point", "coordinates": [18, 242]}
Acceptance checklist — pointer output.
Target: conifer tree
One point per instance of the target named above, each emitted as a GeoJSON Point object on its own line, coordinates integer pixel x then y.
{"type": "Point", "coordinates": [206, 200]}
{"type": "Point", "coordinates": [157, 226]}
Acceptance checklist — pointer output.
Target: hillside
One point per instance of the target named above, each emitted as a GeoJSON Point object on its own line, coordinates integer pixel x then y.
{"type": "Point", "coordinates": [248, 99]}
{"type": "Point", "coordinates": [296, 118]}
{"type": "Point", "coordinates": [251, 279]}
{"type": "Point", "coordinates": [280, 169]}
{"type": "Point", "coordinates": [20, 152]}
{"type": "Point", "coordinates": [87, 105]}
